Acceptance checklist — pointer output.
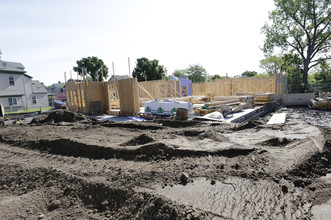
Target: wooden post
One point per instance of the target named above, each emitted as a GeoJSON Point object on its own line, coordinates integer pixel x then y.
{"type": "Point", "coordinates": [65, 77]}
{"type": "Point", "coordinates": [101, 73]}
{"type": "Point", "coordinates": [83, 75]}
{"type": "Point", "coordinates": [86, 77]}
{"type": "Point", "coordinates": [113, 70]}
{"type": "Point", "coordinates": [129, 66]}
{"type": "Point", "coordinates": [128, 94]}
{"type": "Point", "coordinates": [276, 80]}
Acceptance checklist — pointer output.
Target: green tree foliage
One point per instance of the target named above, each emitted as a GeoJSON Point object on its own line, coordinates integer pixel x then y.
{"type": "Point", "coordinates": [179, 72]}
{"type": "Point", "coordinates": [147, 70]}
{"type": "Point", "coordinates": [323, 74]}
{"type": "Point", "coordinates": [290, 63]}
{"type": "Point", "coordinates": [196, 73]}
{"type": "Point", "coordinates": [271, 65]}
{"type": "Point", "coordinates": [302, 25]}
{"type": "Point", "coordinates": [215, 77]}
{"type": "Point", "coordinates": [261, 75]}
{"type": "Point", "coordinates": [93, 67]}
{"type": "Point", "coordinates": [249, 73]}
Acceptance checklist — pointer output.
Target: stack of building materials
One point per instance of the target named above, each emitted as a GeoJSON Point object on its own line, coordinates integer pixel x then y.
{"type": "Point", "coordinates": [247, 101]}
{"type": "Point", "coordinates": [321, 103]}
{"type": "Point", "coordinates": [324, 94]}
{"type": "Point", "coordinates": [260, 98]}
{"type": "Point", "coordinates": [220, 106]}
{"type": "Point", "coordinates": [166, 107]}
{"type": "Point", "coordinates": [264, 98]}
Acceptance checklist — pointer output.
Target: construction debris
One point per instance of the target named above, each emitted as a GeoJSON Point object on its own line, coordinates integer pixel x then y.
{"type": "Point", "coordinates": [277, 118]}
{"type": "Point", "coordinates": [323, 102]}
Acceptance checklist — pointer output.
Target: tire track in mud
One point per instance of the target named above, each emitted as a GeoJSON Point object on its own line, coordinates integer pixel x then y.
{"type": "Point", "coordinates": [247, 200]}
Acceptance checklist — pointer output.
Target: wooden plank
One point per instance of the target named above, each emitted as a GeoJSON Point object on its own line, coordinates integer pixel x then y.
{"type": "Point", "coordinates": [129, 95]}
{"type": "Point", "coordinates": [277, 118]}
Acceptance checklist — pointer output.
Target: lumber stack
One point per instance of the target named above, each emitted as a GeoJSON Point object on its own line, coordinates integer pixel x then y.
{"type": "Point", "coordinates": [260, 98]}
{"type": "Point", "coordinates": [248, 101]}
{"type": "Point", "coordinates": [324, 94]}
{"type": "Point", "coordinates": [220, 106]}
{"type": "Point", "coordinates": [321, 103]}
{"type": "Point", "coordinates": [265, 98]}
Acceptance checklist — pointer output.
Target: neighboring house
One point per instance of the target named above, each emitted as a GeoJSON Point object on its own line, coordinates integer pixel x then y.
{"type": "Point", "coordinates": [56, 92]}
{"type": "Point", "coordinates": [56, 88]}
{"type": "Point", "coordinates": [18, 92]}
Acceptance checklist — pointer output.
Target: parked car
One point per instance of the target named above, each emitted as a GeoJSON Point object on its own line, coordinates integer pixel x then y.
{"type": "Point", "coordinates": [59, 105]}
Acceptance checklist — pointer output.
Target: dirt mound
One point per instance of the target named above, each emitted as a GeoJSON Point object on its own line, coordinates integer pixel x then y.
{"type": "Point", "coordinates": [276, 142]}
{"type": "Point", "coordinates": [317, 165]}
{"type": "Point", "coordinates": [60, 116]}
{"type": "Point", "coordinates": [177, 124]}
{"type": "Point", "coordinates": [247, 125]}
{"type": "Point", "coordinates": [134, 125]}
{"type": "Point", "coordinates": [215, 136]}
{"type": "Point", "coordinates": [201, 134]}
{"type": "Point", "coordinates": [189, 133]}
{"type": "Point", "coordinates": [140, 140]}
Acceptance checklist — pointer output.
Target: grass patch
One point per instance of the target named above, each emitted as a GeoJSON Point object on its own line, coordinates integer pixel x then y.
{"type": "Point", "coordinates": [29, 111]}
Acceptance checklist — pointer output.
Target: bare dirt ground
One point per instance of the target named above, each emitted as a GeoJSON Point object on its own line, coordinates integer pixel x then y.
{"type": "Point", "coordinates": [67, 166]}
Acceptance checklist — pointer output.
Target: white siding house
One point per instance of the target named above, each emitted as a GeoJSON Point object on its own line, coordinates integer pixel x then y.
{"type": "Point", "coordinates": [18, 92]}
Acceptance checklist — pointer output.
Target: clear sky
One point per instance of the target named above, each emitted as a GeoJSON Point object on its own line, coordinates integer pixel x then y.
{"type": "Point", "coordinates": [48, 36]}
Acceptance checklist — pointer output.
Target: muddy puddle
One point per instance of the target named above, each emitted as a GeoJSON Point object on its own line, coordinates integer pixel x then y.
{"type": "Point", "coordinates": [238, 198]}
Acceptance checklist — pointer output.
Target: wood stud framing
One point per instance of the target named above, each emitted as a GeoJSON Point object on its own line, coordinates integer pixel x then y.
{"type": "Point", "coordinates": [126, 93]}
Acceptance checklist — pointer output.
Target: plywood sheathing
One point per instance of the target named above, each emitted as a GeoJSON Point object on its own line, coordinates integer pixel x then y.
{"type": "Point", "coordinates": [231, 87]}
{"type": "Point", "coordinates": [81, 94]}
{"type": "Point", "coordinates": [160, 89]}
{"type": "Point", "coordinates": [128, 95]}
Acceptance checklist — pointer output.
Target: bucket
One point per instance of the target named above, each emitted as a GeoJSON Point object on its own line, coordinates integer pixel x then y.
{"type": "Point", "coordinates": [181, 114]}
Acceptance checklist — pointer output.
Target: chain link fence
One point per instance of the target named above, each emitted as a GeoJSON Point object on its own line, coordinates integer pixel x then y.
{"type": "Point", "coordinates": [309, 88]}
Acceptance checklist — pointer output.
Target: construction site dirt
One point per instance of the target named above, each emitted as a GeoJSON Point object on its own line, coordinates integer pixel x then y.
{"type": "Point", "coordinates": [67, 166]}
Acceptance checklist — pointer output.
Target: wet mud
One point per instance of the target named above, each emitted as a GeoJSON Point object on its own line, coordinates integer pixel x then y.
{"type": "Point", "coordinates": [67, 167]}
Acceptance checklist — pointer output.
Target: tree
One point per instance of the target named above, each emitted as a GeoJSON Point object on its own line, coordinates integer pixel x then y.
{"type": "Point", "coordinates": [215, 77]}
{"type": "Point", "coordinates": [261, 75]}
{"type": "Point", "coordinates": [196, 73]}
{"type": "Point", "coordinates": [249, 73]}
{"type": "Point", "coordinates": [271, 65]}
{"type": "Point", "coordinates": [94, 67]}
{"type": "Point", "coordinates": [146, 70]}
{"type": "Point", "coordinates": [323, 74]}
{"type": "Point", "coordinates": [303, 25]}
{"type": "Point", "coordinates": [179, 72]}
{"type": "Point", "coordinates": [290, 63]}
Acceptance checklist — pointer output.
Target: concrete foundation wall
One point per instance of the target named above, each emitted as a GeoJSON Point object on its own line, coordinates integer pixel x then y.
{"type": "Point", "coordinates": [297, 99]}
